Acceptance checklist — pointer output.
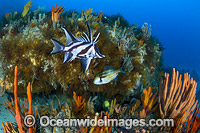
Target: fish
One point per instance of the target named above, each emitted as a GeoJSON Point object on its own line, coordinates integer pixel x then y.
{"type": "Point", "coordinates": [83, 48]}
{"type": "Point", "coordinates": [107, 76]}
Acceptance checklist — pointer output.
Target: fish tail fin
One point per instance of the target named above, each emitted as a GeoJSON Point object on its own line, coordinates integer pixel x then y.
{"type": "Point", "coordinates": [58, 47]}
{"type": "Point", "coordinates": [121, 70]}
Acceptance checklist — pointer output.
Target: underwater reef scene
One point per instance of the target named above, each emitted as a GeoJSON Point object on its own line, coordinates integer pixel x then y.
{"type": "Point", "coordinates": [133, 82]}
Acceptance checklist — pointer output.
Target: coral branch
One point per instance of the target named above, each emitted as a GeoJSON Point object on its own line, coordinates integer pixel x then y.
{"type": "Point", "coordinates": [30, 111]}
{"type": "Point", "coordinates": [55, 12]}
{"type": "Point", "coordinates": [193, 122]}
{"type": "Point", "coordinates": [178, 100]}
{"type": "Point", "coordinates": [20, 112]}
{"type": "Point", "coordinates": [148, 102]}
{"type": "Point", "coordinates": [17, 116]}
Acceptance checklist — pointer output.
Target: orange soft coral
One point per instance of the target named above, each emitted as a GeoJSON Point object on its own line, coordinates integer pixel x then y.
{"type": "Point", "coordinates": [178, 98]}
{"type": "Point", "coordinates": [148, 102]}
{"type": "Point", "coordinates": [79, 103]}
{"type": "Point", "coordinates": [19, 112]}
{"type": "Point", "coordinates": [55, 12]}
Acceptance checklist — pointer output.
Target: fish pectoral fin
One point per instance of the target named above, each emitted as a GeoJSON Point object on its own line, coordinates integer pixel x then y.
{"type": "Point", "coordinates": [85, 62]}
{"type": "Point", "coordinates": [115, 79]}
{"type": "Point", "coordinates": [67, 57]}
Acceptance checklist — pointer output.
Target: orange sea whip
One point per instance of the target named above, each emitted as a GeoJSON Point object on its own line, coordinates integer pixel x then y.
{"type": "Point", "coordinates": [4, 128]}
{"type": "Point", "coordinates": [30, 111]}
{"type": "Point", "coordinates": [17, 116]}
{"type": "Point", "coordinates": [55, 12]}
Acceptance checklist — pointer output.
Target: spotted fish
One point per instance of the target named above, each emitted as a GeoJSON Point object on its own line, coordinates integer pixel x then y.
{"type": "Point", "coordinates": [83, 48]}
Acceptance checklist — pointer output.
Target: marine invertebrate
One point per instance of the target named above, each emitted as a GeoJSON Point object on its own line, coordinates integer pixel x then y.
{"type": "Point", "coordinates": [178, 99]}
{"type": "Point", "coordinates": [7, 15]}
{"type": "Point", "coordinates": [79, 106]}
{"type": "Point", "coordinates": [55, 12]}
{"type": "Point", "coordinates": [102, 129]}
{"type": "Point", "coordinates": [112, 106]}
{"type": "Point", "coordinates": [27, 8]}
{"type": "Point", "coordinates": [120, 110]}
{"type": "Point", "coordinates": [99, 17]}
{"type": "Point", "coordinates": [148, 102]}
{"type": "Point", "coordinates": [8, 127]}
{"type": "Point", "coordinates": [146, 30]}
{"type": "Point", "coordinates": [17, 111]}
{"type": "Point", "coordinates": [132, 110]}
{"type": "Point", "coordinates": [88, 14]}
{"type": "Point", "coordinates": [127, 63]}
{"type": "Point", "coordinates": [32, 25]}
{"type": "Point", "coordinates": [20, 112]}
{"type": "Point", "coordinates": [193, 121]}
{"type": "Point", "coordinates": [97, 129]}
{"type": "Point", "coordinates": [191, 125]}
{"type": "Point", "coordinates": [2, 87]}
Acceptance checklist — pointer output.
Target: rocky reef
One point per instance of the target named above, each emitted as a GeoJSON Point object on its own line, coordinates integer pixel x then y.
{"type": "Point", "coordinates": [25, 42]}
{"type": "Point", "coordinates": [144, 91]}
{"type": "Point", "coordinates": [175, 102]}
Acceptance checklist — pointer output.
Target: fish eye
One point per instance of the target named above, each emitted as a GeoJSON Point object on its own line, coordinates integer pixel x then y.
{"type": "Point", "coordinates": [100, 79]}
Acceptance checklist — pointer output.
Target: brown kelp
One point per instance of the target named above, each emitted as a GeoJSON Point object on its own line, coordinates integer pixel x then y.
{"type": "Point", "coordinates": [26, 42]}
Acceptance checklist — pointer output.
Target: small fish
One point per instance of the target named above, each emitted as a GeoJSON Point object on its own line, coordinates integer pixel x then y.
{"type": "Point", "coordinates": [82, 48]}
{"type": "Point", "coordinates": [107, 76]}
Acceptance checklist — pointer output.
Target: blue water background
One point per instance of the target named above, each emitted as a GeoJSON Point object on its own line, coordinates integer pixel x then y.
{"type": "Point", "coordinates": [175, 22]}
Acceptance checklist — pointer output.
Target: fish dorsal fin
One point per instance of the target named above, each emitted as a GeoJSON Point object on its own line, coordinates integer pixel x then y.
{"type": "Point", "coordinates": [90, 33]}
{"type": "Point", "coordinates": [82, 38]}
{"type": "Point", "coordinates": [85, 62]}
{"type": "Point", "coordinates": [109, 67]}
{"type": "Point", "coordinates": [98, 54]}
{"type": "Point", "coordinates": [69, 36]}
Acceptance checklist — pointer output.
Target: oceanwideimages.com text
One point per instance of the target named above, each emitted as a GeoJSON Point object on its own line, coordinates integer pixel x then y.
{"type": "Point", "coordinates": [127, 123]}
